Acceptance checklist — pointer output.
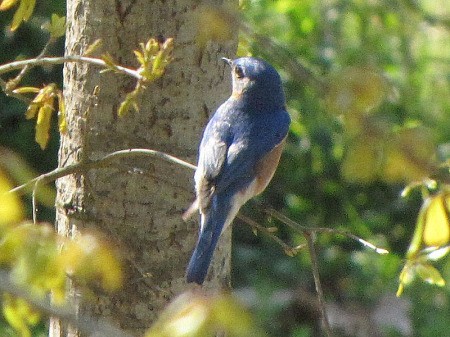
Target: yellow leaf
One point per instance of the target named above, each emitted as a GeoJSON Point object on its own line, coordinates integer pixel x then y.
{"type": "Point", "coordinates": [187, 315]}
{"type": "Point", "coordinates": [26, 90]}
{"type": "Point", "coordinates": [215, 23]}
{"type": "Point", "coordinates": [151, 47]}
{"type": "Point", "coordinates": [437, 223]}
{"type": "Point", "coordinates": [124, 107]}
{"type": "Point", "coordinates": [87, 258]}
{"type": "Point", "coordinates": [62, 122]}
{"type": "Point", "coordinates": [362, 160]}
{"type": "Point", "coordinates": [7, 4]}
{"type": "Point", "coordinates": [93, 47]}
{"type": "Point", "coordinates": [19, 314]}
{"type": "Point", "coordinates": [139, 56]}
{"type": "Point", "coordinates": [58, 26]}
{"type": "Point", "coordinates": [43, 125]}
{"type": "Point", "coordinates": [226, 311]}
{"type": "Point", "coordinates": [32, 110]}
{"type": "Point", "coordinates": [109, 61]}
{"type": "Point", "coordinates": [409, 155]}
{"type": "Point", "coordinates": [429, 274]}
{"type": "Point", "coordinates": [21, 173]}
{"type": "Point", "coordinates": [400, 289]}
{"type": "Point", "coordinates": [29, 8]}
{"type": "Point", "coordinates": [406, 276]}
{"type": "Point", "coordinates": [356, 90]}
{"type": "Point", "coordinates": [108, 269]}
{"type": "Point", "coordinates": [23, 13]}
{"type": "Point", "coordinates": [11, 210]}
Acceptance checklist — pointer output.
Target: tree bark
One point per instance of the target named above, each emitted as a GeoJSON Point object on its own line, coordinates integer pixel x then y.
{"type": "Point", "coordinates": [138, 203]}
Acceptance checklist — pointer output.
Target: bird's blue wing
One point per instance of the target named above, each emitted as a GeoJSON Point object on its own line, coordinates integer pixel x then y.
{"type": "Point", "coordinates": [213, 155]}
{"type": "Point", "coordinates": [251, 142]}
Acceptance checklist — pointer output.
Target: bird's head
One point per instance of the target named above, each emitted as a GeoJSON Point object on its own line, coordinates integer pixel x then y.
{"type": "Point", "coordinates": [256, 82]}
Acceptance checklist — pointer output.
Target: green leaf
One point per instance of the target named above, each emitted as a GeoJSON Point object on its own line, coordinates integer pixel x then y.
{"type": "Point", "coordinates": [56, 27]}
{"type": "Point", "coordinates": [11, 210]}
{"type": "Point", "coordinates": [429, 274]}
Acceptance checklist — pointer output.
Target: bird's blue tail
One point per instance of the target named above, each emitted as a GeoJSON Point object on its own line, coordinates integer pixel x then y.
{"type": "Point", "coordinates": [206, 244]}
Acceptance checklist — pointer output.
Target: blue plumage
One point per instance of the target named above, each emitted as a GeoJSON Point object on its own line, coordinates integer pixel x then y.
{"type": "Point", "coordinates": [239, 153]}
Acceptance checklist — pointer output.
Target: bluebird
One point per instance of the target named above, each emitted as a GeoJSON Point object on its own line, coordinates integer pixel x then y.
{"type": "Point", "coordinates": [238, 155]}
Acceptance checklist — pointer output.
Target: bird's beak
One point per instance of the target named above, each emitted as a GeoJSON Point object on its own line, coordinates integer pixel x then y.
{"type": "Point", "coordinates": [229, 61]}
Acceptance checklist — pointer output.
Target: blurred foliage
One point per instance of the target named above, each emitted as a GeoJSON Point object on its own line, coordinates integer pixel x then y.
{"type": "Point", "coordinates": [39, 260]}
{"type": "Point", "coordinates": [367, 84]}
{"type": "Point", "coordinates": [22, 13]}
{"type": "Point", "coordinates": [198, 314]}
{"type": "Point", "coordinates": [16, 133]}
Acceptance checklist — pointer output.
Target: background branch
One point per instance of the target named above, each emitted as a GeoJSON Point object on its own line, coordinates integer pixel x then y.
{"type": "Point", "coordinates": [12, 84]}
{"type": "Point", "coordinates": [315, 270]}
{"type": "Point", "coordinates": [301, 229]}
{"type": "Point", "coordinates": [289, 250]}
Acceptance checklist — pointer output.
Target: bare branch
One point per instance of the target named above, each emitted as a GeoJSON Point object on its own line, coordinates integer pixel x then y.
{"type": "Point", "coordinates": [315, 270]}
{"type": "Point", "coordinates": [98, 163]}
{"type": "Point", "coordinates": [45, 61]}
{"type": "Point", "coordinates": [12, 84]}
{"type": "Point", "coordinates": [291, 251]}
{"type": "Point", "coordinates": [300, 229]}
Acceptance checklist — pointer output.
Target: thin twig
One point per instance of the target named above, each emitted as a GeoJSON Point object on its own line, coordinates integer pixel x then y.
{"type": "Point", "coordinates": [45, 61]}
{"type": "Point", "coordinates": [291, 251]}
{"type": "Point", "coordinates": [309, 234]}
{"type": "Point", "coordinates": [98, 163]}
{"type": "Point", "coordinates": [12, 84]}
{"type": "Point", "coordinates": [315, 270]}
{"type": "Point", "coordinates": [86, 324]}
{"type": "Point", "coordinates": [300, 229]}
{"type": "Point", "coordinates": [4, 86]}
{"type": "Point", "coordinates": [365, 243]}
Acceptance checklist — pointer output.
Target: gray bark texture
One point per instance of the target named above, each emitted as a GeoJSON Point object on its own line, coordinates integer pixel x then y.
{"type": "Point", "coordinates": [138, 202]}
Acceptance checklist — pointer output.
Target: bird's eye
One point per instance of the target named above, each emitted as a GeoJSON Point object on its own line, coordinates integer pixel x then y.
{"type": "Point", "coordinates": [239, 72]}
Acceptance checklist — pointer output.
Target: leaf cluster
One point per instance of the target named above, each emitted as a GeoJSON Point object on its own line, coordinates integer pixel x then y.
{"type": "Point", "coordinates": [40, 261]}
{"type": "Point", "coordinates": [22, 13]}
{"type": "Point", "coordinates": [367, 92]}
{"type": "Point", "coordinates": [153, 57]}
{"type": "Point", "coordinates": [42, 108]}
{"type": "Point", "coordinates": [198, 314]}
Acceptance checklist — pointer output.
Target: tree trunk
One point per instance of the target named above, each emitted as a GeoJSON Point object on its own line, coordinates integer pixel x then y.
{"type": "Point", "coordinates": [138, 203]}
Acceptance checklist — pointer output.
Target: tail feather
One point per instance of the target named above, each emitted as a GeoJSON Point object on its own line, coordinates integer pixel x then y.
{"type": "Point", "coordinates": [211, 228]}
{"type": "Point", "coordinates": [201, 258]}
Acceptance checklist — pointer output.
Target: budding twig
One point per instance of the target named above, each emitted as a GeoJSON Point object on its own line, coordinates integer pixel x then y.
{"type": "Point", "coordinates": [45, 61]}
